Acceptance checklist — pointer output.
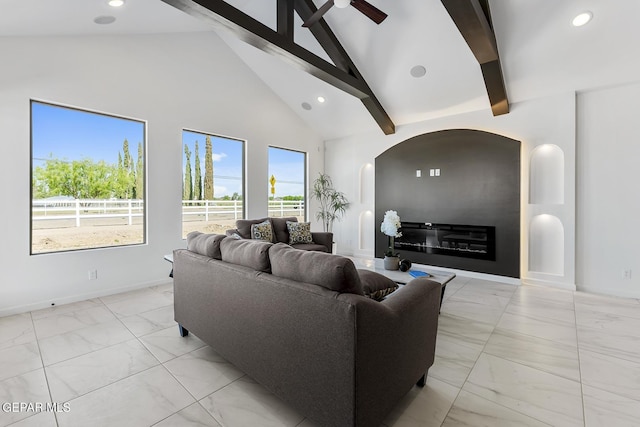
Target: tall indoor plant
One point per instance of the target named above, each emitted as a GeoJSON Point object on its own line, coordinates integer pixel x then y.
{"type": "Point", "coordinates": [333, 203]}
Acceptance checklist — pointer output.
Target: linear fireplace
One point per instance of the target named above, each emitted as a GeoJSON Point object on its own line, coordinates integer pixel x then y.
{"type": "Point", "coordinates": [468, 241]}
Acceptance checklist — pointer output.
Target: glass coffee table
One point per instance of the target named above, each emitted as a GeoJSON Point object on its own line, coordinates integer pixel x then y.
{"type": "Point", "coordinates": [403, 277]}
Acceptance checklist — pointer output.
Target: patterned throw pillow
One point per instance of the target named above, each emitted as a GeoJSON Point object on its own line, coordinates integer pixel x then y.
{"type": "Point", "coordinates": [262, 231]}
{"type": "Point", "coordinates": [375, 285]}
{"type": "Point", "coordinates": [299, 232]}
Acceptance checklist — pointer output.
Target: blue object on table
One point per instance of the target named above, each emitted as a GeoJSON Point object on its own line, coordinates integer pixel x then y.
{"type": "Point", "coordinates": [418, 273]}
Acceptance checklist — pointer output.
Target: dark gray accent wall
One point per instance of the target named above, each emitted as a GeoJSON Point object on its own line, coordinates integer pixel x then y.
{"type": "Point", "coordinates": [479, 184]}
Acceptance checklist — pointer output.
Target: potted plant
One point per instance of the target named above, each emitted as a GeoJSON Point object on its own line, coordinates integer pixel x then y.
{"type": "Point", "coordinates": [333, 203]}
{"type": "Point", "coordinates": [391, 227]}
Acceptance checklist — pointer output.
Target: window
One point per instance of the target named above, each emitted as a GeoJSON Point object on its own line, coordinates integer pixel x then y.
{"type": "Point", "coordinates": [212, 182]}
{"type": "Point", "coordinates": [287, 183]}
{"type": "Point", "coordinates": [87, 179]}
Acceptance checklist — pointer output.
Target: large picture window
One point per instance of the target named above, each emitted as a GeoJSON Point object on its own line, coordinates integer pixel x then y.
{"type": "Point", "coordinates": [212, 182]}
{"type": "Point", "coordinates": [87, 179]}
{"type": "Point", "coordinates": [287, 183]}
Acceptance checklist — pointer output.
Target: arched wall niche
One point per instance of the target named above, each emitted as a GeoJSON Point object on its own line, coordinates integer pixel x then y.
{"type": "Point", "coordinates": [546, 245]}
{"type": "Point", "coordinates": [366, 183]}
{"type": "Point", "coordinates": [365, 231]}
{"type": "Point", "coordinates": [476, 181]}
{"type": "Point", "coordinates": [546, 175]}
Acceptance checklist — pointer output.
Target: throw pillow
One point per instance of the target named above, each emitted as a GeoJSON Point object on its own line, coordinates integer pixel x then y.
{"type": "Point", "coordinates": [299, 232]}
{"type": "Point", "coordinates": [262, 231]}
{"type": "Point", "coordinates": [375, 285]}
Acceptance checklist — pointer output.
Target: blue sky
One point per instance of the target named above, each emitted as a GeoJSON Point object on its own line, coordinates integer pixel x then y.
{"type": "Point", "coordinates": [69, 134]}
{"type": "Point", "coordinates": [288, 167]}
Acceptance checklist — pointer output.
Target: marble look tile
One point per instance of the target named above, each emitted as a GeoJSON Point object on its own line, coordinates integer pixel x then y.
{"type": "Point", "coordinates": [141, 303]}
{"type": "Point", "coordinates": [123, 296]}
{"type": "Point", "coordinates": [606, 304]}
{"type": "Point", "coordinates": [423, 407]}
{"type": "Point", "coordinates": [28, 388]}
{"type": "Point", "coordinates": [474, 411]}
{"type": "Point", "coordinates": [549, 329]}
{"type": "Point", "coordinates": [548, 356]}
{"type": "Point", "coordinates": [41, 419]}
{"type": "Point", "coordinates": [246, 403]}
{"type": "Point", "coordinates": [604, 409]}
{"type": "Point", "coordinates": [540, 395]}
{"type": "Point", "coordinates": [612, 374]}
{"type": "Point", "coordinates": [543, 309]}
{"type": "Point", "coordinates": [481, 298]}
{"type": "Point", "coordinates": [17, 329]}
{"type": "Point", "coordinates": [472, 310]}
{"type": "Point", "coordinates": [80, 375]}
{"type": "Point", "coordinates": [19, 359]}
{"type": "Point", "coordinates": [486, 287]}
{"type": "Point", "coordinates": [76, 343]}
{"type": "Point", "coordinates": [473, 331]}
{"type": "Point", "coordinates": [609, 342]}
{"type": "Point", "coordinates": [608, 322]}
{"type": "Point", "coordinates": [66, 308]}
{"type": "Point", "coordinates": [137, 401]}
{"type": "Point", "coordinates": [57, 324]}
{"type": "Point", "coordinates": [203, 371]}
{"type": "Point", "coordinates": [167, 344]}
{"type": "Point", "coordinates": [527, 293]}
{"type": "Point", "coordinates": [166, 288]}
{"type": "Point", "coordinates": [455, 357]}
{"type": "Point", "coordinates": [191, 416]}
{"type": "Point", "coordinates": [150, 321]}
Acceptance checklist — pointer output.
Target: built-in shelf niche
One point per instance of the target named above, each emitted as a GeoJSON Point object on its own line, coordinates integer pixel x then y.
{"type": "Point", "coordinates": [546, 175]}
{"type": "Point", "coordinates": [546, 245]}
{"type": "Point", "coordinates": [366, 183]}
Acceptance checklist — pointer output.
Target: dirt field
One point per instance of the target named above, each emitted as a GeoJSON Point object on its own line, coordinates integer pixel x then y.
{"type": "Point", "coordinates": [70, 238]}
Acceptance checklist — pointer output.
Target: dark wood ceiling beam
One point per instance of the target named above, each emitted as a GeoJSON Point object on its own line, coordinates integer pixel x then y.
{"type": "Point", "coordinates": [473, 19]}
{"type": "Point", "coordinates": [280, 43]}
{"type": "Point", "coordinates": [284, 15]}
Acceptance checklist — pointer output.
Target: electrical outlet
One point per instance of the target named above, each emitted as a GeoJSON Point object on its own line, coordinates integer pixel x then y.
{"type": "Point", "coordinates": [93, 274]}
{"type": "Point", "coordinates": [626, 274]}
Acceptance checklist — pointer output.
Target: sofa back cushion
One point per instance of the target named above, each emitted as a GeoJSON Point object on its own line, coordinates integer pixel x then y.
{"type": "Point", "coordinates": [280, 230]}
{"type": "Point", "coordinates": [329, 271]}
{"type": "Point", "coordinates": [205, 244]}
{"type": "Point", "coordinates": [244, 226]}
{"type": "Point", "coordinates": [249, 253]}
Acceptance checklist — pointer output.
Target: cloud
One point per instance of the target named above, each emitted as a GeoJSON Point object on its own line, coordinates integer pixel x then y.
{"type": "Point", "coordinates": [217, 157]}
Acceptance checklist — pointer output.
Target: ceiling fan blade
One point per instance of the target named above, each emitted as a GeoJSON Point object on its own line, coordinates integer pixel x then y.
{"type": "Point", "coordinates": [372, 12]}
{"type": "Point", "coordinates": [318, 14]}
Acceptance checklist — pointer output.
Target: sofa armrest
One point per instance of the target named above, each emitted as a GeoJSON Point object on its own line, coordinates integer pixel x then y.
{"type": "Point", "coordinates": [232, 232]}
{"type": "Point", "coordinates": [396, 340]}
{"type": "Point", "coordinates": [323, 238]}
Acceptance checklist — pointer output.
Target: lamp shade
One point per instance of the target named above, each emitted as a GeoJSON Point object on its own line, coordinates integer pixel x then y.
{"type": "Point", "coordinates": [341, 3]}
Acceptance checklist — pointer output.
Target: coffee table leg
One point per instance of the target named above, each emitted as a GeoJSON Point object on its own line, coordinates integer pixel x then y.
{"type": "Point", "coordinates": [444, 287]}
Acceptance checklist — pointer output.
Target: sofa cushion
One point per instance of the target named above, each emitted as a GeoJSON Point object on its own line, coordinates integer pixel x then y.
{"type": "Point", "coordinates": [299, 232]}
{"type": "Point", "coordinates": [310, 247]}
{"type": "Point", "coordinates": [329, 271]}
{"type": "Point", "coordinates": [280, 230]}
{"type": "Point", "coordinates": [205, 244]}
{"type": "Point", "coordinates": [249, 253]}
{"type": "Point", "coordinates": [375, 285]}
{"type": "Point", "coordinates": [244, 226]}
{"type": "Point", "coordinates": [262, 231]}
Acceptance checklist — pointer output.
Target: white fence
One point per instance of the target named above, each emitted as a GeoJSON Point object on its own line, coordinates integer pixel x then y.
{"type": "Point", "coordinates": [80, 210]}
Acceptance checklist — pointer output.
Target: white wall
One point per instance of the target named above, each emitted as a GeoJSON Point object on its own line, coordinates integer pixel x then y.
{"type": "Point", "coordinates": [173, 82]}
{"type": "Point", "coordinates": [608, 199]}
{"type": "Point", "coordinates": [535, 123]}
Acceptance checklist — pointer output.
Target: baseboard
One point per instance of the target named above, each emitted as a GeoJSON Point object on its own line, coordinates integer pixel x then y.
{"type": "Point", "coordinates": [80, 297]}
{"type": "Point", "coordinates": [609, 292]}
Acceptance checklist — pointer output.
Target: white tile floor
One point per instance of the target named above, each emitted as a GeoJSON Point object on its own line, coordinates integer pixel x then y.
{"type": "Point", "coordinates": [506, 356]}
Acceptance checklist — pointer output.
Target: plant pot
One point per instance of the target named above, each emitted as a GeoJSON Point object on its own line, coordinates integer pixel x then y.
{"type": "Point", "coordinates": [391, 262]}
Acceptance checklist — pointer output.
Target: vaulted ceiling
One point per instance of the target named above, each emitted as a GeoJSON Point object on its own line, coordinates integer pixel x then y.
{"type": "Point", "coordinates": [540, 51]}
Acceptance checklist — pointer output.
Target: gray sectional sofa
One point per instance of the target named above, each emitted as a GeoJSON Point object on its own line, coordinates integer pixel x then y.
{"type": "Point", "coordinates": [299, 323]}
{"type": "Point", "coordinates": [321, 241]}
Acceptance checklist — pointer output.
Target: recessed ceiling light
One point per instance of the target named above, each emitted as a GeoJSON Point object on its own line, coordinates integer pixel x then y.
{"type": "Point", "coordinates": [306, 106]}
{"type": "Point", "coordinates": [116, 3]}
{"type": "Point", "coordinates": [582, 19]}
{"type": "Point", "coordinates": [418, 71]}
{"type": "Point", "coordinates": [321, 99]}
{"type": "Point", "coordinates": [104, 20]}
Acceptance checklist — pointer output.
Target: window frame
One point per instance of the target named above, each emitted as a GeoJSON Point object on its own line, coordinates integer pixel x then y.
{"type": "Point", "coordinates": [305, 174]}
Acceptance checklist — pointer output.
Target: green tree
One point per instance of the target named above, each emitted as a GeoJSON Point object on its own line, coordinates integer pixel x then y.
{"type": "Point", "coordinates": [126, 175]}
{"type": "Point", "coordinates": [208, 169]}
{"type": "Point", "coordinates": [80, 179]}
{"type": "Point", "coordinates": [139, 186]}
{"type": "Point", "coordinates": [197, 193]}
{"type": "Point", "coordinates": [187, 189]}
